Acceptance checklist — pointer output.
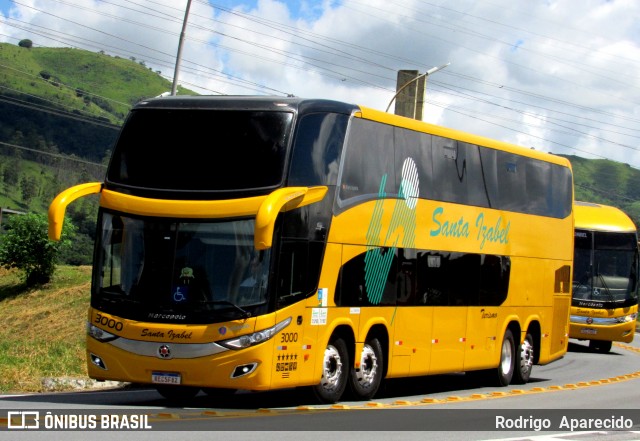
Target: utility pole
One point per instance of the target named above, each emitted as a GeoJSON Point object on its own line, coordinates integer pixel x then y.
{"type": "Point", "coordinates": [410, 90]}
{"type": "Point", "coordinates": [410, 99]}
{"type": "Point", "coordinates": [174, 87]}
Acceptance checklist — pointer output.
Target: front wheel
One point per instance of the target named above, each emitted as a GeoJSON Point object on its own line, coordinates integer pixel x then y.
{"type": "Point", "coordinates": [366, 379]}
{"type": "Point", "coordinates": [335, 372]}
{"type": "Point", "coordinates": [524, 361]}
{"type": "Point", "coordinates": [600, 346]}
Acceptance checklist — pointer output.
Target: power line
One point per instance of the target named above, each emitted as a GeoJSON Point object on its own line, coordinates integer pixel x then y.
{"type": "Point", "coordinates": [358, 73]}
{"type": "Point", "coordinates": [55, 155]}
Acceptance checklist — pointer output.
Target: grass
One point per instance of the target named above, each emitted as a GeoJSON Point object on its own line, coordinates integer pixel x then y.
{"type": "Point", "coordinates": [43, 330]}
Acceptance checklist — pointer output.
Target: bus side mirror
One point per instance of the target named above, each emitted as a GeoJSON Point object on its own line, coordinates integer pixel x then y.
{"type": "Point", "coordinates": [58, 207]}
{"type": "Point", "coordinates": [285, 199]}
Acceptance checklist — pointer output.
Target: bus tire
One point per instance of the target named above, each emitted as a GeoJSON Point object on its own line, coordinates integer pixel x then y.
{"type": "Point", "coordinates": [524, 361]}
{"type": "Point", "coordinates": [365, 381]}
{"type": "Point", "coordinates": [335, 372]}
{"type": "Point", "coordinates": [600, 346]}
{"type": "Point", "coordinates": [178, 394]}
{"type": "Point", "coordinates": [504, 371]}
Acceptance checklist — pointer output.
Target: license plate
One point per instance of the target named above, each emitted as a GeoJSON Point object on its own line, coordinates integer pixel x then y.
{"type": "Point", "coordinates": [165, 378]}
{"type": "Point", "coordinates": [589, 331]}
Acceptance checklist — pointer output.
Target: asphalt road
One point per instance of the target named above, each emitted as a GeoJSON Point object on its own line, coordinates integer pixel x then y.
{"type": "Point", "coordinates": [584, 384]}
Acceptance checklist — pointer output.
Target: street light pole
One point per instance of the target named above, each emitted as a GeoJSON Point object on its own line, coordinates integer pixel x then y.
{"type": "Point", "coordinates": [426, 74]}
{"type": "Point", "coordinates": [174, 87]}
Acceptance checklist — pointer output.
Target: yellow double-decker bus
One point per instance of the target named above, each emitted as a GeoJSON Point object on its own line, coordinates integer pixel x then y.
{"type": "Point", "coordinates": [604, 307]}
{"type": "Point", "coordinates": [256, 243]}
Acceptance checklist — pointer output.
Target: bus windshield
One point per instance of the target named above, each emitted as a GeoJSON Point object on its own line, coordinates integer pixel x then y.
{"type": "Point", "coordinates": [605, 271]}
{"type": "Point", "coordinates": [166, 270]}
{"type": "Point", "coordinates": [199, 151]}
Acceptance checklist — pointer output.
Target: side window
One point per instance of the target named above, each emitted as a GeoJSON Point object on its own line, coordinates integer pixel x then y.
{"type": "Point", "coordinates": [562, 185]}
{"type": "Point", "coordinates": [458, 173]}
{"type": "Point", "coordinates": [299, 266]}
{"type": "Point", "coordinates": [489, 167]}
{"type": "Point", "coordinates": [512, 174]}
{"type": "Point", "coordinates": [415, 145]}
{"type": "Point", "coordinates": [317, 148]}
{"type": "Point", "coordinates": [475, 188]}
{"type": "Point", "coordinates": [539, 192]}
{"type": "Point", "coordinates": [368, 162]}
{"type": "Point", "coordinates": [352, 288]}
{"type": "Point", "coordinates": [494, 279]}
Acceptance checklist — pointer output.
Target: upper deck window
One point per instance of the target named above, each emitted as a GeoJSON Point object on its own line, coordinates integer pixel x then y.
{"type": "Point", "coordinates": [191, 150]}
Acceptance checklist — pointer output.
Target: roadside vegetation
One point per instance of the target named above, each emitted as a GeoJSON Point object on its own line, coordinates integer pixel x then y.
{"type": "Point", "coordinates": [43, 329]}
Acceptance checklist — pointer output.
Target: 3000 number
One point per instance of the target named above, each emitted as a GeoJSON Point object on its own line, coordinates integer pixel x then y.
{"type": "Point", "coordinates": [289, 337]}
{"type": "Point", "coordinates": [108, 322]}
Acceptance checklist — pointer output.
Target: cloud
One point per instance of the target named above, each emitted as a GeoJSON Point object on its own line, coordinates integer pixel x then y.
{"type": "Point", "coordinates": [559, 76]}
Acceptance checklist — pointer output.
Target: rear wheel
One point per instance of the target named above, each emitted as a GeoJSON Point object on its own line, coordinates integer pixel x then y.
{"type": "Point", "coordinates": [178, 393]}
{"type": "Point", "coordinates": [524, 361]}
{"type": "Point", "coordinates": [600, 346]}
{"type": "Point", "coordinates": [504, 371]}
{"type": "Point", "coordinates": [366, 379]}
{"type": "Point", "coordinates": [335, 372]}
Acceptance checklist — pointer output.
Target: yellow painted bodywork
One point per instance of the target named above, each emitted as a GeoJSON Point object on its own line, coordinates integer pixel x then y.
{"type": "Point", "coordinates": [437, 339]}
{"type": "Point", "coordinates": [598, 217]}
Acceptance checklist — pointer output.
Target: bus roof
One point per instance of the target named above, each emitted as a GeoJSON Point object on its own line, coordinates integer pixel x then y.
{"type": "Point", "coordinates": [242, 102]}
{"type": "Point", "coordinates": [308, 105]}
{"type": "Point", "coordinates": [598, 217]}
{"type": "Point", "coordinates": [470, 138]}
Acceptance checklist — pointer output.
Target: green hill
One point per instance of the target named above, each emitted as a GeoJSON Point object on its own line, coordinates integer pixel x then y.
{"type": "Point", "coordinates": [70, 101]}
{"type": "Point", "coordinates": [93, 84]}
{"type": "Point", "coordinates": [607, 182]}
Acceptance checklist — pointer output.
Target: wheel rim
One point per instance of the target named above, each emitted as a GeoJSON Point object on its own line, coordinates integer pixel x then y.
{"type": "Point", "coordinates": [507, 355]}
{"type": "Point", "coordinates": [332, 369]}
{"type": "Point", "coordinates": [526, 357]}
{"type": "Point", "coordinates": [368, 370]}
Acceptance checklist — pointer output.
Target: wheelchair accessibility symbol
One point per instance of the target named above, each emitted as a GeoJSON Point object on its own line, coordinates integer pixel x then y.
{"type": "Point", "coordinates": [179, 296]}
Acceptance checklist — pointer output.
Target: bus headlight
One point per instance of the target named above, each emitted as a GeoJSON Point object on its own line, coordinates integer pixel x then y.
{"type": "Point", "coordinates": [99, 334]}
{"type": "Point", "coordinates": [246, 341]}
{"type": "Point", "coordinates": [627, 318]}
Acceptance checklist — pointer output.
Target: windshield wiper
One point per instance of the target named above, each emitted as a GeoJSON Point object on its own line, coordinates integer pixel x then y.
{"type": "Point", "coordinates": [607, 291]}
{"type": "Point", "coordinates": [245, 313]}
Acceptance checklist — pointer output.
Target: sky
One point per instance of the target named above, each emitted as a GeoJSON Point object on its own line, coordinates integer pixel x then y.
{"type": "Point", "coordinates": [560, 76]}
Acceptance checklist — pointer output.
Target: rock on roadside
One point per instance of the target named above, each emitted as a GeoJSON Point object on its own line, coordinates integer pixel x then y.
{"type": "Point", "coordinates": [58, 384]}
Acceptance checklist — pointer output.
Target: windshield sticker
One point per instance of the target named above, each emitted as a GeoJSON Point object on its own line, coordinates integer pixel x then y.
{"type": "Point", "coordinates": [180, 294]}
{"type": "Point", "coordinates": [323, 294]}
{"type": "Point", "coordinates": [181, 291]}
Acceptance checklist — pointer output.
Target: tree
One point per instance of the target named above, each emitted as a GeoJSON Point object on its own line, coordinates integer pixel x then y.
{"type": "Point", "coordinates": [29, 188]}
{"type": "Point", "coordinates": [26, 43]}
{"type": "Point", "coordinates": [25, 246]}
{"type": "Point", "coordinates": [11, 174]}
